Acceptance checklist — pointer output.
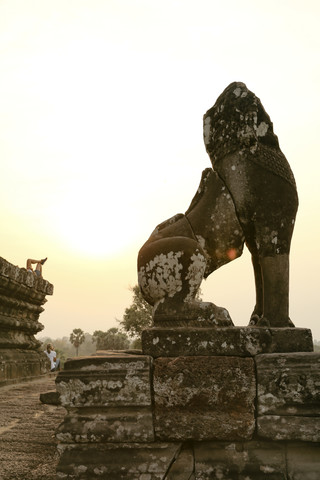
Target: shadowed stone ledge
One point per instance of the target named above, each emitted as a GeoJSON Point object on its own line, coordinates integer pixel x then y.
{"type": "Point", "coordinates": [227, 341]}
{"type": "Point", "coordinates": [256, 460]}
{"type": "Point", "coordinates": [145, 461]}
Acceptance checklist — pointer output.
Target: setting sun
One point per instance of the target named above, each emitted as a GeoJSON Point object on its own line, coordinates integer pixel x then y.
{"type": "Point", "coordinates": [93, 219]}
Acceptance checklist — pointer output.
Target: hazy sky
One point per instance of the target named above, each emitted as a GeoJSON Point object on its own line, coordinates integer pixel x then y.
{"type": "Point", "coordinates": [101, 106]}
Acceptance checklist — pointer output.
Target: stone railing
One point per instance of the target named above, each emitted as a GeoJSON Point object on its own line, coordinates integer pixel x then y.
{"type": "Point", "coordinates": [22, 295]}
{"type": "Point", "coordinates": [237, 405]}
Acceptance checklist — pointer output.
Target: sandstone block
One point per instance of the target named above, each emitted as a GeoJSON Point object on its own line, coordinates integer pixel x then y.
{"type": "Point", "coordinates": [288, 384]}
{"type": "Point", "coordinates": [50, 398]}
{"type": "Point", "coordinates": [108, 399]}
{"type": "Point", "coordinates": [228, 341]}
{"type": "Point", "coordinates": [18, 365]}
{"type": "Point", "coordinates": [303, 461]}
{"type": "Point", "coordinates": [288, 427]}
{"type": "Point", "coordinates": [240, 461]}
{"type": "Point", "coordinates": [183, 467]}
{"type": "Point", "coordinates": [289, 396]}
{"type": "Point", "coordinates": [111, 380]}
{"type": "Point", "coordinates": [203, 398]}
{"type": "Point", "coordinates": [121, 424]}
{"type": "Point", "coordinates": [148, 461]}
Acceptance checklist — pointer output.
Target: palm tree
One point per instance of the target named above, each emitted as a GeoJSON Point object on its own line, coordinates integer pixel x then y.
{"type": "Point", "coordinates": [77, 338]}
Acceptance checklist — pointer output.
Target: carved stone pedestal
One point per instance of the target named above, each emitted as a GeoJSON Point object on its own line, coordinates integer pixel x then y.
{"type": "Point", "coordinates": [22, 295]}
{"type": "Point", "coordinates": [194, 417]}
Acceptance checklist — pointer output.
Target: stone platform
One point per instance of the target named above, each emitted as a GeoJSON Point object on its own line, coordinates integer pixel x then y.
{"type": "Point", "coordinates": [192, 417]}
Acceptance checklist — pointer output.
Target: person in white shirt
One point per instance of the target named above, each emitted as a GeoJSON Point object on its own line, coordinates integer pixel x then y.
{"type": "Point", "coordinates": [51, 354]}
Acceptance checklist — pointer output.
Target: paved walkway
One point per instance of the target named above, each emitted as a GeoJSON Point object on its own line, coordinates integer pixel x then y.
{"type": "Point", "coordinates": [27, 427]}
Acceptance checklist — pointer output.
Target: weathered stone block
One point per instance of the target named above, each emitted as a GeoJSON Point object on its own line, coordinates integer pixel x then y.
{"type": "Point", "coordinates": [183, 467]}
{"type": "Point", "coordinates": [121, 424]}
{"type": "Point", "coordinates": [240, 461]}
{"type": "Point", "coordinates": [147, 461]}
{"type": "Point", "coordinates": [288, 427]}
{"type": "Point", "coordinates": [110, 380]}
{"type": "Point", "coordinates": [288, 384]}
{"type": "Point", "coordinates": [228, 341]}
{"type": "Point", "coordinates": [289, 396]}
{"type": "Point", "coordinates": [50, 398]}
{"type": "Point", "coordinates": [303, 461]}
{"type": "Point", "coordinates": [203, 398]}
{"type": "Point", "coordinates": [108, 399]}
{"type": "Point", "coordinates": [18, 365]}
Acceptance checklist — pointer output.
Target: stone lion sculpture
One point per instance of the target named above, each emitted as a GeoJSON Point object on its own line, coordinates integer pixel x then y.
{"type": "Point", "coordinates": [250, 196]}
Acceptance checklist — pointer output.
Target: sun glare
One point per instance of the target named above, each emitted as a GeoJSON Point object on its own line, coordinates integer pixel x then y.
{"type": "Point", "coordinates": [91, 222]}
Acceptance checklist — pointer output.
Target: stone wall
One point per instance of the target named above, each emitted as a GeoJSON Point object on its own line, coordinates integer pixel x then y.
{"type": "Point", "coordinates": [22, 295]}
{"type": "Point", "coordinates": [192, 417]}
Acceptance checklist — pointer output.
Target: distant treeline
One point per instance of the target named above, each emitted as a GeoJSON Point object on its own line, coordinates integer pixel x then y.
{"type": "Point", "coordinates": [112, 339]}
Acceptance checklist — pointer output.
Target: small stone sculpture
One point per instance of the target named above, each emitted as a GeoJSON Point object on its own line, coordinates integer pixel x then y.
{"type": "Point", "coordinates": [249, 196]}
